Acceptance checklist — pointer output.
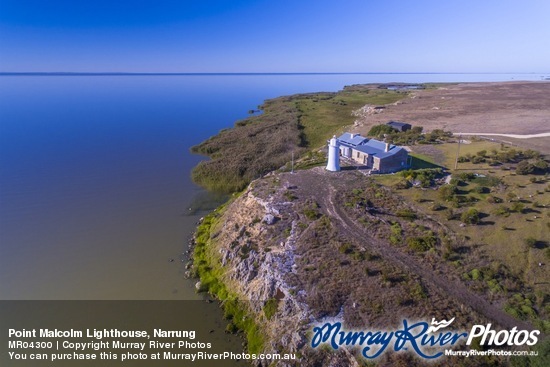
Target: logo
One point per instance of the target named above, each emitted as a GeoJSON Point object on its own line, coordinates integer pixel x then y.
{"type": "Point", "coordinates": [503, 337]}
{"type": "Point", "coordinates": [439, 325]}
{"type": "Point", "coordinates": [429, 341]}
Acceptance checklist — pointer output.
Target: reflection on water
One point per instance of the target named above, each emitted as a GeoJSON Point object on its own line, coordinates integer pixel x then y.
{"type": "Point", "coordinates": [95, 191]}
{"type": "Point", "coordinates": [206, 202]}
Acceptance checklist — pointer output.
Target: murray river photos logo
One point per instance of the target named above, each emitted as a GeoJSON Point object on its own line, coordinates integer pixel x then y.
{"type": "Point", "coordinates": [428, 341]}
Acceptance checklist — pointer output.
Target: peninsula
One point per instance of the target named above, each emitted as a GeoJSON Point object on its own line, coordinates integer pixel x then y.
{"type": "Point", "coordinates": [462, 233]}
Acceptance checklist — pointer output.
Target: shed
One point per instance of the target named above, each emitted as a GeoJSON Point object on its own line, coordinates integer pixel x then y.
{"type": "Point", "coordinates": [399, 126]}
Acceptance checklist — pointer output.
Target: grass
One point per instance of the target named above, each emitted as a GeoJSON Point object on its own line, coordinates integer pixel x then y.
{"type": "Point", "coordinates": [420, 161]}
{"type": "Point", "coordinates": [449, 151]}
{"type": "Point", "coordinates": [322, 115]}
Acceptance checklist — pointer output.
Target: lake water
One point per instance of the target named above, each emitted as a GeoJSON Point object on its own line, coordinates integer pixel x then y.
{"type": "Point", "coordinates": [95, 185]}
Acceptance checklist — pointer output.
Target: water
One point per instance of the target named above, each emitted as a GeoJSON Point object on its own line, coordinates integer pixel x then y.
{"type": "Point", "coordinates": [95, 188]}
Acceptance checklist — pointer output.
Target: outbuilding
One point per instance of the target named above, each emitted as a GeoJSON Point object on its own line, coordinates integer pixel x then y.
{"type": "Point", "coordinates": [399, 126]}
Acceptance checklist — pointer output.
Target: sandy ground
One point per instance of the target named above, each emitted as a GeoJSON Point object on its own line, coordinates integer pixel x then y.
{"type": "Point", "coordinates": [516, 108]}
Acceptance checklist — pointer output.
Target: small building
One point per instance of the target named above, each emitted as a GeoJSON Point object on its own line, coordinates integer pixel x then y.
{"type": "Point", "coordinates": [399, 126]}
{"type": "Point", "coordinates": [374, 154]}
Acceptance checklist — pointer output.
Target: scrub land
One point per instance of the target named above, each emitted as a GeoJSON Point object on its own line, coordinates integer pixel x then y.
{"type": "Point", "coordinates": [471, 242]}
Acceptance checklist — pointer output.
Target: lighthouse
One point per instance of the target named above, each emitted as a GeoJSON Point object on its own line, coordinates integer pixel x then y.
{"type": "Point", "coordinates": [333, 155]}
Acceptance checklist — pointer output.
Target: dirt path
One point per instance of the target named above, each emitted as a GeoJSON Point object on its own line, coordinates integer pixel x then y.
{"type": "Point", "coordinates": [516, 136]}
{"type": "Point", "coordinates": [452, 288]}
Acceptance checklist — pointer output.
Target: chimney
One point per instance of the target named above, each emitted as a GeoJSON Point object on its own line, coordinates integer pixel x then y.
{"type": "Point", "coordinates": [387, 147]}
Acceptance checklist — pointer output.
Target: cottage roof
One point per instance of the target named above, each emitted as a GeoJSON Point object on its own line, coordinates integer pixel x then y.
{"type": "Point", "coordinates": [377, 148]}
{"type": "Point", "coordinates": [352, 139]}
{"type": "Point", "coordinates": [372, 147]}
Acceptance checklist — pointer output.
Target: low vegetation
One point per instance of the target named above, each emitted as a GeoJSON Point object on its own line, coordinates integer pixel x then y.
{"type": "Point", "coordinates": [409, 137]}
{"type": "Point", "coordinates": [288, 125]}
{"type": "Point", "coordinates": [498, 202]}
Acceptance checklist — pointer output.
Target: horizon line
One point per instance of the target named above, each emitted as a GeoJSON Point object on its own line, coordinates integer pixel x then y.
{"type": "Point", "coordinates": [122, 73]}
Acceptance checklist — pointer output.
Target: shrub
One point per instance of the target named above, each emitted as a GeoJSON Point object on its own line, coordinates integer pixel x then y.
{"type": "Point", "coordinates": [465, 176]}
{"type": "Point", "coordinates": [494, 199]}
{"type": "Point", "coordinates": [477, 160]}
{"type": "Point", "coordinates": [406, 213]}
{"type": "Point", "coordinates": [402, 184]}
{"type": "Point", "coordinates": [311, 212]}
{"type": "Point", "coordinates": [541, 166]}
{"type": "Point", "coordinates": [289, 196]}
{"type": "Point", "coordinates": [502, 211]}
{"type": "Point", "coordinates": [396, 233]}
{"type": "Point", "coordinates": [470, 216]}
{"type": "Point", "coordinates": [481, 189]}
{"type": "Point", "coordinates": [421, 244]}
{"type": "Point", "coordinates": [378, 130]}
{"type": "Point", "coordinates": [517, 207]}
{"type": "Point", "coordinates": [524, 168]}
{"type": "Point", "coordinates": [476, 274]}
{"type": "Point", "coordinates": [447, 192]}
{"type": "Point", "coordinates": [511, 196]}
{"type": "Point", "coordinates": [531, 242]}
{"type": "Point", "coordinates": [345, 248]}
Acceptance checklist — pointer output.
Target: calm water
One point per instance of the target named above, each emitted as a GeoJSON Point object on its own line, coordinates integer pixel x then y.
{"type": "Point", "coordinates": [94, 174]}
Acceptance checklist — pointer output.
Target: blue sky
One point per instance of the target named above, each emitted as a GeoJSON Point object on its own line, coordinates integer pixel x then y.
{"type": "Point", "coordinates": [275, 36]}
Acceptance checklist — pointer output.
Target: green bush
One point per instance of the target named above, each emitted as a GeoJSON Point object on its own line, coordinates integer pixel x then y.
{"type": "Point", "coordinates": [380, 130]}
{"type": "Point", "coordinates": [396, 234]}
{"type": "Point", "coordinates": [406, 213]}
{"type": "Point", "coordinates": [421, 244]}
{"type": "Point", "coordinates": [447, 192]}
{"type": "Point", "coordinates": [502, 210]}
{"type": "Point", "coordinates": [524, 168]}
{"type": "Point", "coordinates": [476, 274]}
{"type": "Point", "coordinates": [517, 207]}
{"type": "Point", "coordinates": [470, 216]}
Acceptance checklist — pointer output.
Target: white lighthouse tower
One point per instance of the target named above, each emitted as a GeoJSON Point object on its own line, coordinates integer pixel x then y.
{"type": "Point", "coordinates": [333, 155]}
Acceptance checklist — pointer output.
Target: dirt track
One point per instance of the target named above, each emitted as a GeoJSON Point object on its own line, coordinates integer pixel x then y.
{"type": "Point", "coordinates": [516, 136]}
{"type": "Point", "coordinates": [325, 192]}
